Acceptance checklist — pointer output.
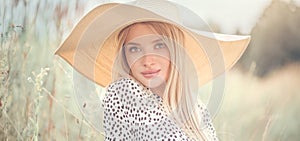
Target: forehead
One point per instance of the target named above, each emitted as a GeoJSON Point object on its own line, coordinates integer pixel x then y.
{"type": "Point", "coordinates": [139, 30]}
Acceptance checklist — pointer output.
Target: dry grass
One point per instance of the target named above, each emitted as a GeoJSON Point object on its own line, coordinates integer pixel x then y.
{"type": "Point", "coordinates": [35, 101]}
{"type": "Point", "coordinates": [261, 109]}
{"type": "Point", "coordinates": [36, 91]}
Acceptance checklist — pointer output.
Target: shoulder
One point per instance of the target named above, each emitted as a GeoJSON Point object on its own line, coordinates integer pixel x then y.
{"type": "Point", "coordinates": [207, 125]}
{"type": "Point", "coordinates": [125, 82]}
{"type": "Point", "coordinates": [204, 113]}
{"type": "Point", "coordinates": [123, 90]}
{"type": "Point", "coordinates": [124, 85]}
{"type": "Point", "coordinates": [202, 107]}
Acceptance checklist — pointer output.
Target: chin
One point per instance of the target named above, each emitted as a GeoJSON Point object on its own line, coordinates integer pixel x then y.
{"type": "Point", "coordinates": [154, 82]}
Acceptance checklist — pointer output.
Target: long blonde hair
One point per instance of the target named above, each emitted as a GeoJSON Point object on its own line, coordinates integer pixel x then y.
{"type": "Point", "coordinates": [180, 94]}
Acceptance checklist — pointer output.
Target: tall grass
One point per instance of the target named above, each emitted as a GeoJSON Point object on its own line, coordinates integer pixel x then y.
{"type": "Point", "coordinates": [36, 91]}
{"type": "Point", "coordinates": [261, 109]}
{"type": "Point", "coordinates": [36, 101]}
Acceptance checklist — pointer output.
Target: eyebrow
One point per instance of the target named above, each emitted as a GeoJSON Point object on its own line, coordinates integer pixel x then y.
{"type": "Point", "coordinates": [157, 40]}
{"type": "Point", "coordinates": [137, 44]}
{"type": "Point", "coordinates": [132, 43]}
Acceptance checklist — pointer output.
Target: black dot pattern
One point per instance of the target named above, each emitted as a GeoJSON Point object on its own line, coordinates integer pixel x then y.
{"type": "Point", "coordinates": [133, 113]}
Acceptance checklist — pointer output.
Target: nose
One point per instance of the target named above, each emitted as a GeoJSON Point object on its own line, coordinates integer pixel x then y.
{"type": "Point", "coordinates": [148, 61]}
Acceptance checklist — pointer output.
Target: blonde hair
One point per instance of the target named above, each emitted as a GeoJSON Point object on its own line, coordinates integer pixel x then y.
{"type": "Point", "coordinates": [180, 95]}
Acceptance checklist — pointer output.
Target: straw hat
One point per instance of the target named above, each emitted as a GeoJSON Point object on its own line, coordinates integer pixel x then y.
{"type": "Point", "coordinates": [91, 48]}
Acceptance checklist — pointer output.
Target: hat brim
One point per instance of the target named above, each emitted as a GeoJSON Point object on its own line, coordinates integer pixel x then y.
{"type": "Point", "coordinates": [91, 48]}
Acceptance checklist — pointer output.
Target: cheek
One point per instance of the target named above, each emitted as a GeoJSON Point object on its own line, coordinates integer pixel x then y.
{"type": "Point", "coordinates": [166, 64]}
{"type": "Point", "coordinates": [134, 67]}
{"type": "Point", "coordinates": [133, 61]}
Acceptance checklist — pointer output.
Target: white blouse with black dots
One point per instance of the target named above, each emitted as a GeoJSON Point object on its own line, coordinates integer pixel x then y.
{"type": "Point", "coordinates": [133, 113]}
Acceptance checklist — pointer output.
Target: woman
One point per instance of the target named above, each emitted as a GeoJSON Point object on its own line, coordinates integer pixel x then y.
{"type": "Point", "coordinates": [150, 99]}
{"type": "Point", "coordinates": [152, 58]}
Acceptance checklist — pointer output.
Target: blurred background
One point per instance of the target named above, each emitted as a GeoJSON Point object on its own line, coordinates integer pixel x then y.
{"type": "Point", "coordinates": [262, 98]}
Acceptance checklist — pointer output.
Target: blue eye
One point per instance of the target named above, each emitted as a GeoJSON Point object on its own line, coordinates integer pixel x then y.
{"type": "Point", "coordinates": [134, 49]}
{"type": "Point", "coordinates": [160, 45]}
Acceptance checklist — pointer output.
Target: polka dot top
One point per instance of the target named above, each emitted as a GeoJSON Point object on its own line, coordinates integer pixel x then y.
{"type": "Point", "coordinates": [133, 113]}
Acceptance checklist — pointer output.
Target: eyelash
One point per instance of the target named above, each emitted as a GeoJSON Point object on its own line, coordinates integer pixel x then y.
{"type": "Point", "coordinates": [156, 46]}
{"type": "Point", "coordinates": [134, 48]}
{"type": "Point", "coordinates": [160, 45]}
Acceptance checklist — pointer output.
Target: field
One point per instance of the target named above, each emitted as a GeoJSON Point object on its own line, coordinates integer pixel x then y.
{"type": "Point", "coordinates": [38, 102]}
{"type": "Point", "coordinates": [261, 109]}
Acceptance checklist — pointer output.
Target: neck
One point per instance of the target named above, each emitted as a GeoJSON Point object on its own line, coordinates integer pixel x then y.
{"type": "Point", "coordinates": [159, 90]}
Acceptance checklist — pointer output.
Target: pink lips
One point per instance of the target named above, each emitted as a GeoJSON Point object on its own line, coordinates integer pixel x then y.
{"type": "Point", "coordinates": [150, 73]}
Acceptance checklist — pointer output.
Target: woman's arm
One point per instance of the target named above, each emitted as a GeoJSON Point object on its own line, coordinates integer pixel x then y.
{"type": "Point", "coordinates": [116, 123]}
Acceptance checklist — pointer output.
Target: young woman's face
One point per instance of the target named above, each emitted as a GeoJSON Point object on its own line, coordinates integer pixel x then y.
{"type": "Point", "coordinates": [147, 56]}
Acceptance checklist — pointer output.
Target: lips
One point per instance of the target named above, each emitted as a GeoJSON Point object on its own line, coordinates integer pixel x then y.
{"type": "Point", "coordinates": [150, 73]}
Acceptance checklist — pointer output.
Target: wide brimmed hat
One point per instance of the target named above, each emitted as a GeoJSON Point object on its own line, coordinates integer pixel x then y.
{"type": "Point", "coordinates": [91, 48]}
